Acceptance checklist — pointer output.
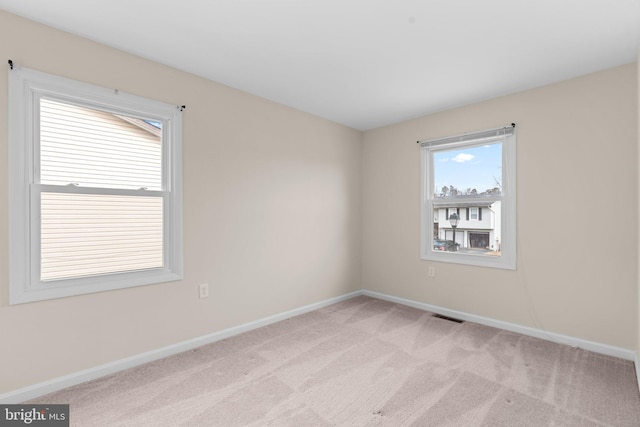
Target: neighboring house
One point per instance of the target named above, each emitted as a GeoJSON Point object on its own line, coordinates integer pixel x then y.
{"type": "Point", "coordinates": [478, 225]}
{"type": "Point", "coordinates": [92, 234]}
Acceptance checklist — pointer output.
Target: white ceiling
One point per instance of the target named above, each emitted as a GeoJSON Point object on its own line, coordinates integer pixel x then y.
{"type": "Point", "coordinates": [363, 63]}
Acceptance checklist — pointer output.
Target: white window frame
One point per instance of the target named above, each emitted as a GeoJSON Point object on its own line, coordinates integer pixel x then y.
{"type": "Point", "coordinates": [471, 214]}
{"type": "Point", "coordinates": [26, 87]}
{"type": "Point", "coordinates": [508, 257]}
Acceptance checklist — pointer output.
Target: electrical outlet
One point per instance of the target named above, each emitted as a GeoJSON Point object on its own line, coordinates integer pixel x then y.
{"type": "Point", "coordinates": [431, 272]}
{"type": "Point", "coordinates": [204, 290]}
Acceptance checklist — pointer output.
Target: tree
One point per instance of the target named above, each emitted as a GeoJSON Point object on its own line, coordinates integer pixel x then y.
{"type": "Point", "coordinates": [495, 191]}
{"type": "Point", "coordinates": [498, 182]}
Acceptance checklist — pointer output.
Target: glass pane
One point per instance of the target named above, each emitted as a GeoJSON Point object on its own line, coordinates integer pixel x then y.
{"type": "Point", "coordinates": [93, 148]}
{"type": "Point", "coordinates": [87, 235]}
{"type": "Point", "coordinates": [465, 172]}
{"type": "Point", "coordinates": [467, 204]}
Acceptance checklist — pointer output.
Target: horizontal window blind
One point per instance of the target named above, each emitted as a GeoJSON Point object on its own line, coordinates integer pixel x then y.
{"type": "Point", "coordinates": [471, 137]}
{"type": "Point", "coordinates": [88, 234]}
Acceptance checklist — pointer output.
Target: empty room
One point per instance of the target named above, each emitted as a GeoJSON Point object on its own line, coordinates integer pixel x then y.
{"type": "Point", "coordinates": [319, 213]}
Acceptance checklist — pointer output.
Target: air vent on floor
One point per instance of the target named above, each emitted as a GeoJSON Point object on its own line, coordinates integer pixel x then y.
{"type": "Point", "coordinates": [451, 319]}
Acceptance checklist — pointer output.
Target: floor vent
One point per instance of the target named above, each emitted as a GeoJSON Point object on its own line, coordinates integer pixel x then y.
{"type": "Point", "coordinates": [451, 319]}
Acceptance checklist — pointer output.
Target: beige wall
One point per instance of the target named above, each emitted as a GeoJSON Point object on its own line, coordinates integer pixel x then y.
{"type": "Point", "coordinates": [272, 216]}
{"type": "Point", "coordinates": [577, 211]}
{"type": "Point", "coordinates": [279, 213]}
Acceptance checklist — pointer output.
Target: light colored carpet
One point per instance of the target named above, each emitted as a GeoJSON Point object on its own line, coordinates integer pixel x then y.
{"type": "Point", "coordinates": [366, 362]}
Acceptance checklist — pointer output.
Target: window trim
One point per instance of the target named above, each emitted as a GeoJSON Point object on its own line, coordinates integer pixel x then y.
{"type": "Point", "coordinates": [477, 213]}
{"type": "Point", "coordinates": [25, 88]}
{"type": "Point", "coordinates": [508, 257]}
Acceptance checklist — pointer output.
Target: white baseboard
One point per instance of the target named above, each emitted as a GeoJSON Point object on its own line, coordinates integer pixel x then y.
{"type": "Point", "coordinates": [609, 350]}
{"type": "Point", "coordinates": [46, 387]}
{"type": "Point", "coordinates": [40, 389]}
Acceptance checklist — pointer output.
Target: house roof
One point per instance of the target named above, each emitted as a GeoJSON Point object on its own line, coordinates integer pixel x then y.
{"type": "Point", "coordinates": [154, 128]}
{"type": "Point", "coordinates": [475, 203]}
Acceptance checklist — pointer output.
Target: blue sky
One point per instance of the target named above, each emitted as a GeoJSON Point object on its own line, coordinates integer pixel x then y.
{"type": "Point", "coordinates": [470, 167]}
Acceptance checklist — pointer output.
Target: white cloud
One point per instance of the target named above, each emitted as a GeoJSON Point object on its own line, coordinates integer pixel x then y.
{"type": "Point", "coordinates": [463, 157]}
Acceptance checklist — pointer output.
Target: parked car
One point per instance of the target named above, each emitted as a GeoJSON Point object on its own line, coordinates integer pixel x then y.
{"type": "Point", "coordinates": [445, 245]}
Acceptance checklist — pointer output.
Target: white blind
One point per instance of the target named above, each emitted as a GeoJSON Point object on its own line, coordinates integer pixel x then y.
{"type": "Point", "coordinates": [490, 134]}
{"type": "Point", "coordinates": [92, 234]}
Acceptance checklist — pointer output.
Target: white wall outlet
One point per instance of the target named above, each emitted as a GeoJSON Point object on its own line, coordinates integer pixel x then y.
{"type": "Point", "coordinates": [431, 271]}
{"type": "Point", "coordinates": [204, 290]}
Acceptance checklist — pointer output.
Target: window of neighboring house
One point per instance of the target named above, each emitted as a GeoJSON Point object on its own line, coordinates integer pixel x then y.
{"type": "Point", "coordinates": [95, 188]}
{"type": "Point", "coordinates": [473, 214]}
{"type": "Point", "coordinates": [472, 169]}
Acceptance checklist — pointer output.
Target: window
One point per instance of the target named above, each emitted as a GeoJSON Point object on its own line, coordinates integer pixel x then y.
{"type": "Point", "coordinates": [473, 214]}
{"type": "Point", "coordinates": [95, 182]}
{"type": "Point", "coordinates": [472, 175]}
